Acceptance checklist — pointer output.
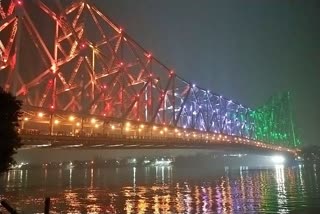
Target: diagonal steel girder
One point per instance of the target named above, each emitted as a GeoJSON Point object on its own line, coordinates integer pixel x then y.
{"type": "Point", "coordinates": [106, 72]}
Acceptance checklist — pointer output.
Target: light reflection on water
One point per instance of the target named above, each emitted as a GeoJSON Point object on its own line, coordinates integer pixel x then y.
{"type": "Point", "coordinates": [163, 190]}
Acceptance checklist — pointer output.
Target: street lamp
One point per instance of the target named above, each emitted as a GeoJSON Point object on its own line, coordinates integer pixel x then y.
{"type": "Point", "coordinates": [40, 114]}
{"type": "Point", "coordinates": [71, 118]}
{"type": "Point", "coordinates": [23, 122]}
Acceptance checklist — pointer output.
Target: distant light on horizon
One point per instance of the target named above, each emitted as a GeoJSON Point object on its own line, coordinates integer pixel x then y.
{"type": "Point", "coordinates": [278, 159]}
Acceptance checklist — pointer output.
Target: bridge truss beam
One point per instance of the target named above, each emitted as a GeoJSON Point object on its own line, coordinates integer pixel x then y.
{"type": "Point", "coordinates": [76, 59]}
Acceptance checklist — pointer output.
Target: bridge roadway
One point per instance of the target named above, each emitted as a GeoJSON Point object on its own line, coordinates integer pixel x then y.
{"type": "Point", "coordinates": [43, 129]}
{"type": "Point", "coordinates": [115, 141]}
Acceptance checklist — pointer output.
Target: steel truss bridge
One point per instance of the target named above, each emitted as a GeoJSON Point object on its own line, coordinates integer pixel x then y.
{"type": "Point", "coordinates": [86, 83]}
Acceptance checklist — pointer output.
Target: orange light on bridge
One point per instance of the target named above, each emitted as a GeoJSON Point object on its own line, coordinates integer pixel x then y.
{"type": "Point", "coordinates": [93, 121]}
{"type": "Point", "coordinates": [71, 118]}
{"type": "Point", "coordinates": [40, 114]}
{"type": "Point", "coordinates": [113, 127]}
{"type": "Point", "coordinates": [77, 124]}
{"type": "Point", "coordinates": [96, 126]}
{"type": "Point", "coordinates": [161, 132]}
{"type": "Point", "coordinates": [141, 126]}
{"type": "Point", "coordinates": [26, 119]}
{"type": "Point", "coordinates": [56, 122]}
{"type": "Point", "coordinates": [154, 128]}
{"type": "Point", "coordinates": [54, 68]}
{"type": "Point", "coordinates": [128, 124]}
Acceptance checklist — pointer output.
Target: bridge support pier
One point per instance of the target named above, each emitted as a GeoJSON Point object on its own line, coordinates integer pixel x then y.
{"type": "Point", "coordinates": [81, 130]}
{"type": "Point", "coordinates": [51, 125]}
{"type": "Point", "coordinates": [104, 127]}
{"type": "Point", "coordinates": [73, 130]}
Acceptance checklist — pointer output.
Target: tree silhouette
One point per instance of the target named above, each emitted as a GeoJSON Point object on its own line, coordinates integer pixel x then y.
{"type": "Point", "coordinates": [10, 111]}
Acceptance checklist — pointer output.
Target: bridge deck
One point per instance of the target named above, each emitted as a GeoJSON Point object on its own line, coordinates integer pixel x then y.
{"type": "Point", "coordinates": [146, 142]}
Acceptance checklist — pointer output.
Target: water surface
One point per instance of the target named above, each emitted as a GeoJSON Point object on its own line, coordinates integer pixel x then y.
{"type": "Point", "coordinates": [164, 190]}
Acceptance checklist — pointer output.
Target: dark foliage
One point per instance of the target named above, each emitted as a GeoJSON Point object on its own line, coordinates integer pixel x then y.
{"type": "Point", "coordinates": [10, 111]}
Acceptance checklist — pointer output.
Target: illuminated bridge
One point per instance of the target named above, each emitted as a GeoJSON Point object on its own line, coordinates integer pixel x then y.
{"type": "Point", "coordinates": [86, 83]}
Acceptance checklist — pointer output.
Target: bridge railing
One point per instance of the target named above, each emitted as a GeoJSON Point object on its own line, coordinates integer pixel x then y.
{"type": "Point", "coordinates": [203, 140]}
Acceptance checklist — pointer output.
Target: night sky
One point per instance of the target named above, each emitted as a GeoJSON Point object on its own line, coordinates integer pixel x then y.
{"type": "Point", "coordinates": [246, 50]}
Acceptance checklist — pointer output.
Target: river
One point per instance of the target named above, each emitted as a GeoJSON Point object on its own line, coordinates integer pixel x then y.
{"type": "Point", "coordinates": [170, 189]}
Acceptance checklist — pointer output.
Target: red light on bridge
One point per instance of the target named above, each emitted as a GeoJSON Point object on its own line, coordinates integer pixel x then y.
{"type": "Point", "coordinates": [24, 90]}
{"type": "Point", "coordinates": [19, 2]}
{"type": "Point", "coordinates": [83, 45]}
{"type": "Point", "coordinates": [149, 55]}
{"type": "Point", "coordinates": [171, 73]}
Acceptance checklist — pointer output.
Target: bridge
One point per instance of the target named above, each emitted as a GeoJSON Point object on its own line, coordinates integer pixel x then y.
{"type": "Point", "coordinates": [85, 83]}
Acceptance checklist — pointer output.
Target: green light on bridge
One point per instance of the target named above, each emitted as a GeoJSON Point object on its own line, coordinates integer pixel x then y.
{"type": "Point", "coordinates": [273, 122]}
